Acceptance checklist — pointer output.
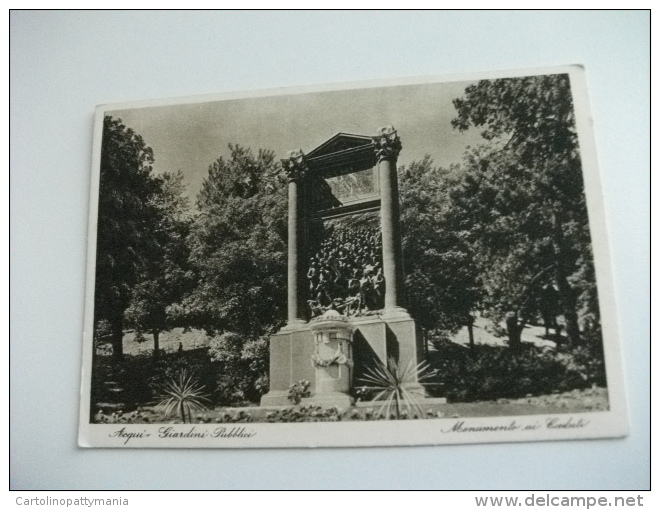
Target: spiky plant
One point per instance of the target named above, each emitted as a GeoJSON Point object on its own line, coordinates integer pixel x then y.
{"type": "Point", "coordinates": [398, 387]}
{"type": "Point", "coordinates": [183, 395]}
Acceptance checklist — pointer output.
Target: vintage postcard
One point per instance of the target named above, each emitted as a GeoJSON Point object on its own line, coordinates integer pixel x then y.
{"type": "Point", "coordinates": [412, 262]}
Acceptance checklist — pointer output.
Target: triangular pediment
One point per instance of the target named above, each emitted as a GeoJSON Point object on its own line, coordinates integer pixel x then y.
{"type": "Point", "coordinates": [340, 142]}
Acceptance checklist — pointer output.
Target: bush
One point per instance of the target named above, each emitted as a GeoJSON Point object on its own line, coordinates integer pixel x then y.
{"type": "Point", "coordinates": [298, 391]}
{"type": "Point", "coordinates": [231, 371]}
{"type": "Point", "coordinates": [168, 367]}
{"type": "Point", "coordinates": [488, 372]}
{"type": "Point", "coordinates": [317, 413]}
{"type": "Point", "coordinates": [242, 365]}
{"type": "Point", "coordinates": [182, 395]}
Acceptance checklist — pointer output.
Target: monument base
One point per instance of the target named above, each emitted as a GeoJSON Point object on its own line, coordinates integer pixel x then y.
{"type": "Point", "coordinates": [291, 351]}
{"type": "Point", "coordinates": [376, 339]}
{"type": "Point", "coordinates": [275, 399]}
{"type": "Point", "coordinates": [424, 403]}
{"type": "Point", "coordinates": [383, 337]}
{"type": "Point", "coordinates": [339, 400]}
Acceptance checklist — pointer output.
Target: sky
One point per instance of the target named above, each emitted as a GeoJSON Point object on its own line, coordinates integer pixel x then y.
{"type": "Point", "coordinates": [189, 137]}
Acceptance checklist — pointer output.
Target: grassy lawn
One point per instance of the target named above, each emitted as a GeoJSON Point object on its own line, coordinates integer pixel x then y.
{"type": "Point", "coordinates": [169, 341]}
{"type": "Point", "coordinates": [532, 334]}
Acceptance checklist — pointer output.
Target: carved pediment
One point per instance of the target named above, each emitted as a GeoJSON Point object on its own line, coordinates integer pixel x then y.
{"type": "Point", "coordinates": [340, 142]}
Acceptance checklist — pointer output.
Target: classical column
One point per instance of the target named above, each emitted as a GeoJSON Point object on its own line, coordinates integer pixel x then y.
{"type": "Point", "coordinates": [388, 145]}
{"type": "Point", "coordinates": [295, 168]}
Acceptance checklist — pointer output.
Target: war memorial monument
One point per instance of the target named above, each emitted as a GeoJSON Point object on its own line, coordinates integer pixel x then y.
{"type": "Point", "coordinates": [346, 308]}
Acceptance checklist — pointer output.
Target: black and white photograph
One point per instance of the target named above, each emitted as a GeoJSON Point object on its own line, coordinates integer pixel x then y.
{"type": "Point", "coordinates": [401, 262]}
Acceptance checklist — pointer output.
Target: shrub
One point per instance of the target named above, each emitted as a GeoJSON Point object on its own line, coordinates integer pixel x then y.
{"type": "Point", "coordinates": [242, 365]}
{"type": "Point", "coordinates": [298, 391]}
{"type": "Point", "coordinates": [316, 413]}
{"type": "Point", "coordinates": [488, 372]}
{"type": "Point", "coordinates": [167, 367]}
{"type": "Point", "coordinates": [398, 387]}
{"type": "Point", "coordinates": [232, 371]}
{"type": "Point", "coordinates": [240, 416]}
{"type": "Point", "coordinates": [182, 395]}
{"type": "Point", "coordinates": [311, 413]}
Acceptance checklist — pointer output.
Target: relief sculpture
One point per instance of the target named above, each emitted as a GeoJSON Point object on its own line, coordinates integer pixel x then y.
{"type": "Point", "coordinates": [346, 272]}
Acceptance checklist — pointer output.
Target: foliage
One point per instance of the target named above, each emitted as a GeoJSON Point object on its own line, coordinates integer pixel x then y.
{"type": "Point", "coordinates": [182, 395]}
{"type": "Point", "coordinates": [140, 379]}
{"type": "Point", "coordinates": [488, 372]}
{"type": "Point", "coordinates": [238, 245]}
{"type": "Point", "coordinates": [239, 416]}
{"type": "Point", "coordinates": [242, 367]}
{"type": "Point", "coordinates": [316, 413]}
{"type": "Point", "coordinates": [442, 279]}
{"type": "Point", "coordinates": [298, 391]}
{"type": "Point", "coordinates": [533, 113]}
{"type": "Point", "coordinates": [168, 275]}
{"type": "Point", "coordinates": [519, 199]}
{"type": "Point", "coordinates": [126, 219]}
{"type": "Point", "coordinates": [138, 416]}
{"type": "Point", "coordinates": [397, 386]}
{"type": "Point", "coordinates": [238, 377]}
{"type": "Point", "coordinates": [299, 414]}
{"type": "Point", "coordinates": [157, 372]}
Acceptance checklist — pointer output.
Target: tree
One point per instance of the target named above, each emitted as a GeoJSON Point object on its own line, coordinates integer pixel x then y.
{"type": "Point", "coordinates": [442, 285]}
{"type": "Point", "coordinates": [126, 217]}
{"type": "Point", "coordinates": [238, 248]}
{"type": "Point", "coordinates": [169, 275]}
{"type": "Point", "coordinates": [520, 199]}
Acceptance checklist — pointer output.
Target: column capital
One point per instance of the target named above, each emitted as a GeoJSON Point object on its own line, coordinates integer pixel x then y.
{"type": "Point", "coordinates": [387, 144]}
{"type": "Point", "coordinates": [295, 166]}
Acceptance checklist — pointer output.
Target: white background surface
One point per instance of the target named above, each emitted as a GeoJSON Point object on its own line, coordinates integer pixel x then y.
{"type": "Point", "coordinates": [65, 63]}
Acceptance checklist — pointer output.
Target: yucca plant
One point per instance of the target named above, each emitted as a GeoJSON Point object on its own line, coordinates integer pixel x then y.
{"type": "Point", "coordinates": [398, 387]}
{"type": "Point", "coordinates": [183, 395]}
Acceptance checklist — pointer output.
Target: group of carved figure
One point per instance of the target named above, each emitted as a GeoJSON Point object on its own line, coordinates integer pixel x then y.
{"type": "Point", "coordinates": [346, 273]}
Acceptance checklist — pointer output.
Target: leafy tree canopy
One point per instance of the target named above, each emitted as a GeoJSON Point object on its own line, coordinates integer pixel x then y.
{"type": "Point", "coordinates": [126, 220]}
{"type": "Point", "coordinates": [238, 247]}
{"type": "Point", "coordinates": [520, 198]}
{"type": "Point", "coordinates": [169, 274]}
{"type": "Point", "coordinates": [441, 275]}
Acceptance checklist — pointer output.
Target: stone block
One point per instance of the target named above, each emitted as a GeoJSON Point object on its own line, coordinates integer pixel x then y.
{"type": "Point", "coordinates": [302, 348]}
{"type": "Point", "coordinates": [280, 361]}
{"type": "Point", "coordinates": [290, 361]}
{"type": "Point", "coordinates": [375, 337]}
{"type": "Point", "coordinates": [407, 338]}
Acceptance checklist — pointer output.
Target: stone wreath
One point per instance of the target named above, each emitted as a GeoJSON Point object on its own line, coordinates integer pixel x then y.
{"type": "Point", "coordinates": [338, 358]}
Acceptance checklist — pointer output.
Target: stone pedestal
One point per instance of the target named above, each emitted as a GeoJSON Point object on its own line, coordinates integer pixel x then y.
{"type": "Point", "coordinates": [382, 337]}
{"type": "Point", "coordinates": [291, 350]}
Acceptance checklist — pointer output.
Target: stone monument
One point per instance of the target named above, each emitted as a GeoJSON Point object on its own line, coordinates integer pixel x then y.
{"type": "Point", "coordinates": [344, 267]}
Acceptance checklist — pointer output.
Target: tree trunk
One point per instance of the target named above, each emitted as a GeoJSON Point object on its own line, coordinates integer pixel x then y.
{"type": "Point", "coordinates": [117, 339]}
{"type": "Point", "coordinates": [513, 329]}
{"type": "Point", "coordinates": [156, 334]}
{"type": "Point", "coordinates": [568, 305]}
{"type": "Point", "coordinates": [566, 294]}
{"type": "Point", "coordinates": [470, 334]}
